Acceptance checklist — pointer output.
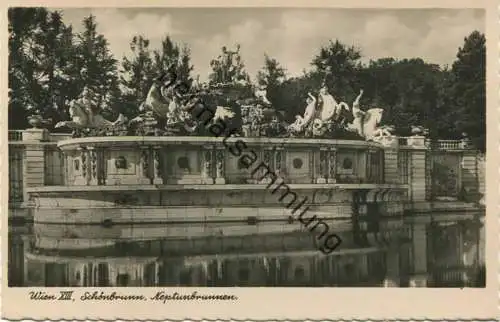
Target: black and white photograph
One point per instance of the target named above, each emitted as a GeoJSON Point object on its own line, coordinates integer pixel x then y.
{"type": "Point", "coordinates": [246, 147]}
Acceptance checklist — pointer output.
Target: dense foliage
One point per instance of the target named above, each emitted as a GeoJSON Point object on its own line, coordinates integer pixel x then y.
{"type": "Point", "coordinates": [49, 65]}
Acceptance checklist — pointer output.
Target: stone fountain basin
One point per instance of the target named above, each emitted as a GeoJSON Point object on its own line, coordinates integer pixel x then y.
{"type": "Point", "coordinates": [140, 141]}
{"type": "Point", "coordinates": [193, 179]}
{"type": "Point", "coordinates": [196, 160]}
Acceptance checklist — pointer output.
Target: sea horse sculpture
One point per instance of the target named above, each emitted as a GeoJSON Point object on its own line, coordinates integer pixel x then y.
{"type": "Point", "coordinates": [83, 116]}
{"type": "Point", "coordinates": [164, 100]}
{"type": "Point", "coordinates": [366, 123]}
{"type": "Point", "coordinates": [223, 113]}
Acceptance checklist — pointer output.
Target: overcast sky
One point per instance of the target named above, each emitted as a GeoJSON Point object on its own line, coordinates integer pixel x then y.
{"type": "Point", "coordinates": [292, 36]}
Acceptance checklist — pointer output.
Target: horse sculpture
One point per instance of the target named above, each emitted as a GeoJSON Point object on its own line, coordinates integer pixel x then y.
{"type": "Point", "coordinates": [365, 123]}
{"type": "Point", "coordinates": [83, 117]}
{"type": "Point", "coordinates": [223, 113]}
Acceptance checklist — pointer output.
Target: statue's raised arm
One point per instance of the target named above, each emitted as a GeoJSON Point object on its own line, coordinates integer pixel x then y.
{"type": "Point", "coordinates": [358, 98]}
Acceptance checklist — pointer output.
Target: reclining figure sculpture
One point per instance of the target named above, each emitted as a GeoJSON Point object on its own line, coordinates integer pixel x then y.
{"type": "Point", "coordinates": [83, 115]}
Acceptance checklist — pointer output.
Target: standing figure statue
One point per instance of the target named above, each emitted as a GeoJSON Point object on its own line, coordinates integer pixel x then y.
{"type": "Point", "coordinates": [216, 65]}
{"type": "Point", "coordinates": [225, 61]}
{"type": "Point", "coordinates": [228, 63]}
{"type": "Point", "coordinates": [329, 106]}
{"type": "Point", "coordinates": [235, 64]}
{"type": "Point", "coordinates": [330, 112]}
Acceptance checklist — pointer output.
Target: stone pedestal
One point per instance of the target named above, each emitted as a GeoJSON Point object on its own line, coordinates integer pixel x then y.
{"type": "Point", "coordinates": [332, 166]}
{"type": "Point", "coordinates": [207, 165]}
{"type": "Point", "coordinates": [83, 167]}
{"type": "Point", "coordinates": [267, 159]}
{"type": "Point", "coordinates": [37, 135]}
{"type": "Point", "coordinates": [92, 156]}
{"type": "Point", "coordinates": [34, 159]}
{"type": "Point", "coordinates": [279, 161]}
{"type": "Point", "coordinates": [416, 141]}
{"type": "Point", "coordinates": [470, 176]}
{"type": "Point", "coordinates": [418, 181]}
{"type": "Point", "coordinates": [145, 173]}
{"type": "Point", "coordinates": [322, 166]}
{"type": "Point", "coordinates": [158, 166]}
{"type": "Point", "coordinates": [220, 167]}
{"type": "Point", "coordinates": [391, 167]}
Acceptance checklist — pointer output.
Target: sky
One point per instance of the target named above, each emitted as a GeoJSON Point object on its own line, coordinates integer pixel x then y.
{"type": "Point", "coordinates": [292, 36]}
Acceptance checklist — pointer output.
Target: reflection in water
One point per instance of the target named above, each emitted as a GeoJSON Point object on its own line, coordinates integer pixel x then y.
{"type": "Point", "coordinates": [257, 270]}
{"type": "Point", "coordinates": [63, 255]}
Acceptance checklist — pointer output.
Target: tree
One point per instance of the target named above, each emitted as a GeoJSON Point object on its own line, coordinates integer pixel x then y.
{"type": "Point", "coordinates": [337, 64]}
{"type": "Point", "coordinates": [137, 75]}
{"type": "Point", "coordinates": [22, 23]}
{"type": "Point", "coordinates": [184, 67]}
{"type": "Point", "coordinates": [406, 89]}
{"type": "Point", "coordinates": [293, 94]}
{"type": "Point", "coordinates": [172, 56]}
{"type": "Point", "coordinates": [468, 89]}
{"type": "Point", "coordinates": [40, 64]}
{"type": "Point", "coordinates": [60, 67]}
{"type": "Point", "coordinates": [98, 66]}
{"type": "Point", "coordinates": [272, 75]}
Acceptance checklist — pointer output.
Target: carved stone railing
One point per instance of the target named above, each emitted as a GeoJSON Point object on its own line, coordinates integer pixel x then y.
{"type": "Point", "coordinates": [206, 160]}
{"type": "Point", "coordinates": [423, 142]}
{"type": "Point", "coordinates": [15, 135]}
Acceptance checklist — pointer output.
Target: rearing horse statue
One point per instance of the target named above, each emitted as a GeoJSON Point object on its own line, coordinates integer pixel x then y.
{"type": "Point", "coordinates": [365, 123]}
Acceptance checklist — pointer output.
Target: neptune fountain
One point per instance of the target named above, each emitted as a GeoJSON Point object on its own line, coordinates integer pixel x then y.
{"type": "Point", "coordinates": [172, 108]}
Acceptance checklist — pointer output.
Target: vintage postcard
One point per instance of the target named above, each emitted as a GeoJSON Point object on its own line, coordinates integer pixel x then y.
{"type": "Point", "coordinates": [250, 160]}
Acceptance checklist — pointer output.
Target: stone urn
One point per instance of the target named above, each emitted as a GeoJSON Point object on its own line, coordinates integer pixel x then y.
{"type": "Point", "coordinates": [247, 130]}
{"type": "Point", "coordinates": [36, 121]}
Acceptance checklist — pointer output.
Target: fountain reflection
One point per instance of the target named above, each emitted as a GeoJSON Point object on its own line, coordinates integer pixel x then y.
{"type": "Point", "coordinates": [137, 255]}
